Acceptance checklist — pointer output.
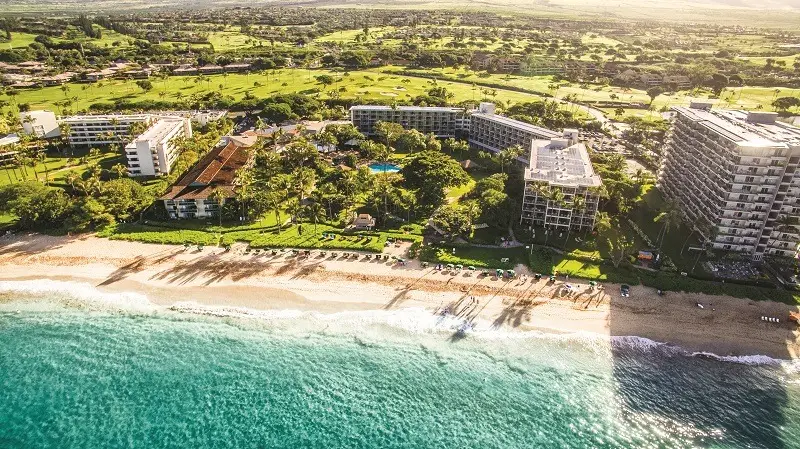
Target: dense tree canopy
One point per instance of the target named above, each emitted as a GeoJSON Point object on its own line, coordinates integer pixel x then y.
{"type": "Point", "coordinates": [430, 173]}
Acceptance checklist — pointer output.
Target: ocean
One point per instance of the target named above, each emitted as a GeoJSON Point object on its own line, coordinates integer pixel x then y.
{"type": "Point", "coordinates": [84, 369]}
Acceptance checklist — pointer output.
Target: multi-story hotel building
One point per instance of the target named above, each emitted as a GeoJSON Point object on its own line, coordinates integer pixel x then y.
{"type": "Point", "coordinates": [153, 152]}
{"type": "Point", "coordinates": [735, 177]}
{"type": "Point", "coordinates": [42, 124]}
{"type": "Point", "coordinates": [90, 130]}
{"type": "Point", "coordinates": [494, 132]}
{"type": "Point", "coordinates": [441, 122]}
{"type": "Point", "coordinates": [560, 164]}
{"type": "Point", "coordinates": [98, 130]}
{"type": "Point", "coordinates": [191, 196]}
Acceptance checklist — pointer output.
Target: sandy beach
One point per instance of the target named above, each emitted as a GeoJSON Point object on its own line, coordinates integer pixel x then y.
{"type": "Point", "coordinates": [169, 275]}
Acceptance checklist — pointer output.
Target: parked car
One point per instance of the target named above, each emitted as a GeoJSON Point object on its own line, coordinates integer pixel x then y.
{"type": "Point", "coordinates": [625, 290]}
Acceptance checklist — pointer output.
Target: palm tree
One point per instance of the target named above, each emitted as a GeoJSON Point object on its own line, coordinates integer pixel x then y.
{"type": "Point", "coordinates": [509, 155]}
{"type": "Point", "coordinates": [602, 223]}
{"type": "Point", "coordinates": [385, 186]}
{"type": "Point", "coordinates": [578, 205]}
{"type": "Point", "coordinates": [304, 180]}
{"type": "Point", "coordinates": [42, 157]}
{"type": "Point", "coordinates": [314, 211]}
{"type": "Point", "coordinates": [119, 170]}
{"type": "Point", "coordinates": [21, 161]}
{"type": "Point", "coordinates": [71, 178]}
{"type": "Point", "coordinates": [218, 195]}
{"type": "Point", "coordinates": [670, 217]}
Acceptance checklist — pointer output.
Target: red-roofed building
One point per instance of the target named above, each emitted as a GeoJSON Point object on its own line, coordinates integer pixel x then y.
{"type": "Point", "coordinates": [190, 196]}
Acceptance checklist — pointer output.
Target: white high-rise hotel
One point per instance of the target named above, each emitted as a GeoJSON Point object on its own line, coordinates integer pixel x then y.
{"type": "Point", "coordinates": [735, 176]}
{"type": "Point", "coordinates": [153, 152]}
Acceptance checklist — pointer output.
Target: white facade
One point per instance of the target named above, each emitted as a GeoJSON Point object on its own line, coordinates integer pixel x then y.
{"type": "Point", "coordinates": [442, 122]}
{"type": "Point", "coordinates": [735, 175]}
{"type": "Point", "coordinates": [42, 124]}
{"type": "Point", "coordinates": [493, 132]}
{"type": "Point", "coordinates": [560, 164]}
{"type": "Point", "coordinates": [89, 130]}
{"type": "Point", "coordinates": [153, 152]}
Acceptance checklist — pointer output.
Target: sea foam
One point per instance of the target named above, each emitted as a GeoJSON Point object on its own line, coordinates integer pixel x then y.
{"type": "Point", "coordinates": [60, 291]}
{"type": "Point", "coordinates": [412, 320]}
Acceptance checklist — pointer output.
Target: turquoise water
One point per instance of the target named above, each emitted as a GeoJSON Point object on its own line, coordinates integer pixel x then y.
{"type": "Point", "coordinates": [105, 376]}
{"type": "Point", "coordinates": [377, 167]}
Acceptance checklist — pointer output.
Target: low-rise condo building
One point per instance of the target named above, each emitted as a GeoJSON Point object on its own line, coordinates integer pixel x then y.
{"type": "Point", "coordinates": [494, 132]}
{"type": "Point", "coordinates": [560, 185]}
{"type": "Point", "coordinates": [440, 121]}
{"type": "Point", "coordinates": [153, 152]}
{"type": "Point", "coordinates": [735, 177]}
{"type": "Point", "coordinates": [191, 196]}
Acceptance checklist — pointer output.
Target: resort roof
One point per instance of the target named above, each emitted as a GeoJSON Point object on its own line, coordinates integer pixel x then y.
{"type": "Point", "coordinates": [754, 129]}
{"type": "Point", "coordinates": [533, 129]}
{"type": "Point", "coordinates": [369, 107]}
{"type": "Point", "coordinates": [558, 164]}
{"type": "Point", "coordinates": [217, 169]}
{"type": "Point", "coordinates": [8, 140]}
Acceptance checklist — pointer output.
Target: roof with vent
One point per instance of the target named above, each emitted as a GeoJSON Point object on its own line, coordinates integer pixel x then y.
{"type": "Point", "coordinates": [557, 163]}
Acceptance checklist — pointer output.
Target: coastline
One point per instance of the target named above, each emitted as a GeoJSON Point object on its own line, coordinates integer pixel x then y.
{"type": "Point", "coordinates": [171, 276]}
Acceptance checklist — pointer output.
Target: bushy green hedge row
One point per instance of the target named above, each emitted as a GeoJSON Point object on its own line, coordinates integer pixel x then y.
{"type": "Point", "coordinates": [152, 234]}
{"type": "Point", "coordinates": [676, 282]}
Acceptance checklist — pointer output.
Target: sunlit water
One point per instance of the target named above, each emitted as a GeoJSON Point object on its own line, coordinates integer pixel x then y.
{"type": "Point", "coordinates": [104, 375]}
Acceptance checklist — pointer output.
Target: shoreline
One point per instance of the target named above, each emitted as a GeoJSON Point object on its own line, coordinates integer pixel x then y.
{"type": "Point", "coordinates": [168, 275]}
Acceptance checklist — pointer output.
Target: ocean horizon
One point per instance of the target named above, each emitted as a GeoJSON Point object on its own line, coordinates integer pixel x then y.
{"type": "Point", "coordinates": [83, 368]}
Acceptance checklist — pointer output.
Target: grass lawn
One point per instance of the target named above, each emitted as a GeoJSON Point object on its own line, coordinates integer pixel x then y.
{"type": "Point", "coordinates": [233, 39]}
{"type": "Point", "coordinates": [643, 214]}
{"type": "Point", "coordinates": [364, 85]}
{"type": "Point", "coordinates": [292, 238]}
{"type": "Point", "coordinates": [7, 221]}
{"type": "Point", "coordinates": [57, 168]}
{"type": "Point", "coordinates": [107, 39]}
{"type": "Point", "coordinates": [261, 234]}
{"type": "Point", "coordinates": [747, 97]}
{"type": "Point", "coordinates": [455, 193]}
{"type": "Point", "coordinates": [18, 40]}
{"type": "Point", "coordinates": [348, 36]}
{"type": "Point", "coordinates": [597, 39]}
{"type": "Point", "coordinates": [474, 256]}
{"type": "Point", "coordinates": [155, 234]}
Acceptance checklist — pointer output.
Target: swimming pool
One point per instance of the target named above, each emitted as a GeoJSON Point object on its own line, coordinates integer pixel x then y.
{"type": "Point", "coordinates": [377, 167]}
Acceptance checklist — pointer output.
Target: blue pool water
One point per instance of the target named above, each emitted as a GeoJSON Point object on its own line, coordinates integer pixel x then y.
{"type": "Point", "coordinates": [377, 167]}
